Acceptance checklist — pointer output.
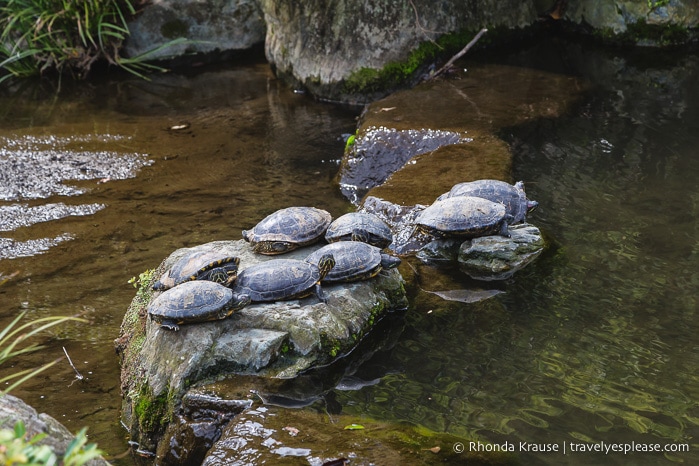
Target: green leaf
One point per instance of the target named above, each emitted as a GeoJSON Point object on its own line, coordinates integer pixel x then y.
{"type": "Point", "coordinates": [354, 427]}
{"type": "Point", "coordinates": [20, 430]}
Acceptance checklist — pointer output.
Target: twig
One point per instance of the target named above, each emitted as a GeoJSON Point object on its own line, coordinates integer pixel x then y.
{"type": "Point", "coordinates": [459, 55]}
{"type": "Point", "coordinates": [78, 375]}
{"type": "Point", "coordinates": [419, 26]}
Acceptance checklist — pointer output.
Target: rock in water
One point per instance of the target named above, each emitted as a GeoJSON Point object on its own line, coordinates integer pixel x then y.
{"type": "Point", "coordinates": [497, 257]}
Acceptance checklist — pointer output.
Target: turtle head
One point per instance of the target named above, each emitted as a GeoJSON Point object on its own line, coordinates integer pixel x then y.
{"type": "Point", "coordinates": [360, 235]}
{"type": "Point", "coordinates": [239, 301]}
{"type": "Point", "coordinates": [531, 205]}
{"type": "Point", "coordinates": [389, 262]}
{"type": "Point", "coordinates": [224, 275]}
{"type": "Point", "coordinates": [272, 247]}
{"type": "Point", "coordinates": [326, 262]}
{"type": "Point", "coordinates": [231, 275]}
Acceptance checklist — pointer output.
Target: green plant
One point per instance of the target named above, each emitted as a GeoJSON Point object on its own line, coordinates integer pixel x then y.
{"type": "Point", "coordinates": [350, 142]}
{"type": "Point", "coordinates": [143, 279]}
{"type": "Point", "coordinates": [653, 4]}
{"type": "Point", "coordinates": [13, 337]}
{"type": "Point", "coordinates": [66, 36]}
{"type": "Point", "coordinates": [16, 448]}
{"type": "Point", "coordinates": [142, 284]}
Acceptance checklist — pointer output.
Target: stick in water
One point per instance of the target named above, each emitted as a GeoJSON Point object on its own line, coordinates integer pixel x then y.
{"type": "Point", "coordinates": [460, 54]}
{"type": "Point", "coordinates": [78, 375]}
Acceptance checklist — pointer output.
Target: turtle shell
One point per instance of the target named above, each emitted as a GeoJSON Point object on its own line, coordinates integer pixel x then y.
{"type": "Point", "coordinates": [512, 197]}
{"type": "Point", "coordinates": [354, 261]}
{"type": "Point", "coordinates": [280, 279]}
{"type": "Point", "coordinates": [195, 301]}
{"type": "Point", "coordinates": [200, 265]}
{"type": "Point", "coordinates": [464, 216]}
{"type": "Point", "coordinates": [360, 226]}
{"type": "Point", "coordinates": [287, 229]}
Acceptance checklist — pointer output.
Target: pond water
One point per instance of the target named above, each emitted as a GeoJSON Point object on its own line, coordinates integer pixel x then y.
{"type": "Point", "coordinates": [595, 342]}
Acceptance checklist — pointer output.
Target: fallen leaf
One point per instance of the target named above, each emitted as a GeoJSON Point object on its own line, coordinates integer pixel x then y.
{"type": "Point", "coordinates": [6, 278]}
{"type": "Point", "coordinates": [354, 427]}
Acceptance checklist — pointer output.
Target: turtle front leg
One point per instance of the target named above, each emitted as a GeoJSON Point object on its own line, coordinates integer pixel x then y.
{"type": "Point", "coordinates": [504, 230]}
{"type": "Point", "coordinates": [320, 294]}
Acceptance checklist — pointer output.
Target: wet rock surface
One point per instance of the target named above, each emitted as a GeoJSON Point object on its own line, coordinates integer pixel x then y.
{"type": "Point", "coordinates": [380, 152]}
{"type": "Point", "coordinates": [323, 434]}
{"type": "Point", "coordinates": [279, 339]}
{"type": "Point", "coordinates": [498, 258]}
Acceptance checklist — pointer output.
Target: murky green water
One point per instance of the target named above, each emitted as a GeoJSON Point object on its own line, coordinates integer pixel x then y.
{"type": "Point", "coordinates": [595, 342]}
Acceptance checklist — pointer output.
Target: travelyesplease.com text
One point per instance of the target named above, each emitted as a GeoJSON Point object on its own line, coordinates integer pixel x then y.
{"type": "Point", "coordinates": [572, 447]}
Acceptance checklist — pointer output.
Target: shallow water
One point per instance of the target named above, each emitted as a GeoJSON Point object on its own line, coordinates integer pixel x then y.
{"type": "Point", "coordinates": [595, 342]}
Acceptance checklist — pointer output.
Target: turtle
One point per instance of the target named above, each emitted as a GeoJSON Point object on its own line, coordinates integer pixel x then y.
{"type": "Point", "coordinates": [200, 265]}
{"type": "Point", "coordinates": [354, 261]}
{"type": "Point", "coordinates": [360, 226]}
{"type": "Point", "coordinates": [464, 217]}
{"type": "Point", "coordinates": [287, 229]}
{"type": "Point", "coordinates": [195, 301]}
{"type": "Point", "coordinates": [280, 279]}
{"type": "Point", "coordinates": [511, 196]}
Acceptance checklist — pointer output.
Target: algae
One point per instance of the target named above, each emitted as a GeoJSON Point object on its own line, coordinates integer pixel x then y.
{"type": "Point", "coordinates": [152, 412]}
{"type": "Point", "coordinates": [397, 73]}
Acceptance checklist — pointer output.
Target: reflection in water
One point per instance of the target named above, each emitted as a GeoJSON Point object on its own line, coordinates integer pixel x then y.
{"type": "Point", "coordinates": [593, 342]}
{"type": "Point", "coordinates": [596, 342]}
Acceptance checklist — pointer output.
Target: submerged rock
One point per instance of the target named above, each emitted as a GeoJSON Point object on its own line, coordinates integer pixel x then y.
{"type": "Point", "coordinates": [278, 339]}
{"type": "Point", "coordinates": [497, 257]}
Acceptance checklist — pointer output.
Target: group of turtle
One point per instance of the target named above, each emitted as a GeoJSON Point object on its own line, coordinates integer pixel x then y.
{"type": "Point", "coordinates": [476, 208]}
{"type": "Point", "coordinates": [204, 285]}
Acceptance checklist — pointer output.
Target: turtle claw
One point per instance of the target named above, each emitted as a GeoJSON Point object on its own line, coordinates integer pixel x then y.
{"type": "Point", "coordinates": [169, 325]}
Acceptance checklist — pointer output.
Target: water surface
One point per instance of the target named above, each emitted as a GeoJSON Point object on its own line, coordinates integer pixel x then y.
{"type": "Point", "coordinates": [594, 342]}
